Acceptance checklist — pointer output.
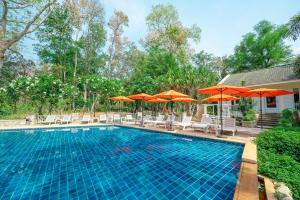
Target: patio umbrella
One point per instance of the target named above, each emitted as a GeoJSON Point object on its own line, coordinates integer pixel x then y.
{"type": "Point", "coordinates": [264, 92]}
{"type": "Point", "coordinates": [221, 90]}
{"type": "Point", "coordinates": [121, 99]}
{"type": "Point", "coordinates": [143, 97]}
{"type": "Point", "coordinates": [157, 101]}
{"type": "Point", "coordinates": [171, 94]}
{"type": "Point", "coordinates": [218, 98]}
{"type": "Point", "coordinates": [184, 100]}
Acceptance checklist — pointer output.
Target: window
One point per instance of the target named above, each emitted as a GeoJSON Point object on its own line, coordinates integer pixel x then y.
{"type": "Point", "coordinates": [271, 102]}
{"type": "Point", "coordinates": [296, 98]}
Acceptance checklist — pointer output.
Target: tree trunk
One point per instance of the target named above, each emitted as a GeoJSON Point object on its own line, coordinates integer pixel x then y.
{"type": "Point", "coordinates": [2, 51]}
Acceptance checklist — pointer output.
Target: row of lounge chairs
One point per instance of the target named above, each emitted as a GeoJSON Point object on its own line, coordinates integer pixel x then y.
{"type": "Point", "coordinates": [205, 124]}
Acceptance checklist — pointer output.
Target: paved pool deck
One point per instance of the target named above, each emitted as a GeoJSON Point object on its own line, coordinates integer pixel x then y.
{"type": "Point", "coordinates": [247, 186]}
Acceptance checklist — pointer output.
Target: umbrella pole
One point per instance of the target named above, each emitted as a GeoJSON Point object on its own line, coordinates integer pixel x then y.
{"type": "Point", "coordinates": [260, 98]}
{"type": "Point", "coordinates": [221, 113]}
{"type": "Point", "coordinates": [142, 113]}
{"type": "Point", "coordinates": [171, 116]}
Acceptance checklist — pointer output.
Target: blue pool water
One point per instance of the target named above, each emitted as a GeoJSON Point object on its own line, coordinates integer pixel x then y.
{"type": "Point", "coordinates": [115, 163]}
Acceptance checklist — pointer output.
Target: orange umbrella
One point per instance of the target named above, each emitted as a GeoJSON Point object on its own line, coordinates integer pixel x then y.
{"type": "Point", "coordinates": [222, 89]}
{"type": "Point", "coordinates": [184, 100]}
{"type": "Point", "coordinates": [158, 100]}
{"type": "Point", "coordinates": [264, 92]}
{"type": "Point", "coordinates": [121, 99]}
{"type": "Point", "coordinates": [171, 94]}
{"type": "Point", "coordinates": [218, 98]}
{"type": "Point", "coordinates": [143, 97]}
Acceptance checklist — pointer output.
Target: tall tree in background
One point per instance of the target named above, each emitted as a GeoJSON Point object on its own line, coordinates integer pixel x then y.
{"type": "Point", "coordinates": [262, 48]}
{"type": "Point", "coordinates": [294, 27]}
{"type": "Point", "coordinates": [167, 32]}
{"type": "Point", "coordinates": [116, 23]}
{"type": "Point", "coordinates": [88, 29]}
{"type": "Point", "coordinates": [56, 46]}
{"type": "Point", "coordinates": [19, 18]}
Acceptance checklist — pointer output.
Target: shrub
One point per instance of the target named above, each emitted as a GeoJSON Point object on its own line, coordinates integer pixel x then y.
{"type": "Point", "coordinates": [248, 117]}
{"type": "Point", "coordinates": [251, 112]}
{"type": "Point", "coordinates": [287, 118]}
{"type": "Point", "coordinates": [279, 156]}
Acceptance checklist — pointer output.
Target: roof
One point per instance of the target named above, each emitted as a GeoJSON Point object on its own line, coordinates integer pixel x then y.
{"type": "Point", "coordinates": [261, 77]}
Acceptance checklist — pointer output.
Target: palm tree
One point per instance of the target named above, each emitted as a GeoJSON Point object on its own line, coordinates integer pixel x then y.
{"type": "Point", "coordinates": [294, 27]}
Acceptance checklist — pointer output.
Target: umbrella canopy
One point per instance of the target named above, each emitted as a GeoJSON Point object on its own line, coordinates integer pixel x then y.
{"type": "Point", "coordinates": [264, 92]}
{"type": "Point", "coordinates": [218, 98]}
{"type": "Point", "coordinates": [141, 96]}
{"type": "Point", "coordinates": [184, 100]}
{"type": "Point", "coordinates": [158, 100]}
{"type": "Point", "coordinates": [223, 89]}
{"type": "Point", "coordinates": [171, 94]}
{"type": "Point", "coordinates": [121, 98]}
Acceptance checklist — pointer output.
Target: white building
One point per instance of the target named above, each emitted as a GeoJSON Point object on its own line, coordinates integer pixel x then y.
{"type": "Point", "coordinates": [282, 77]}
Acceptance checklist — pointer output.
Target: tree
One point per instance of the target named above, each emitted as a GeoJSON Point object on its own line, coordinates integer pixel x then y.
{"type": "Point", "coordinates": [115, 50]}
{"type": "Point", "coordinates": [56, 46]}
{"type": "Point", "coordinates": [167, 32]}
{"type": "Point", "coordinates": [262, 48]}
{"type": "Point", "coordinates": [14, 66]}
{"type": "Point", "coordinates": [294, 27]}
{"type": "Point", "coordinates": [19, 18]}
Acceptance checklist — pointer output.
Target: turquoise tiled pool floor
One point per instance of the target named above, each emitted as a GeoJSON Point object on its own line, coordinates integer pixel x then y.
{"type": "Point", "coordinates": [115, 163]}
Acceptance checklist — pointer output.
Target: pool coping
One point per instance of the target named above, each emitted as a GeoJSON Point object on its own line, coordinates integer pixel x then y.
{"type": "Point", "coordinates": [247, 185]}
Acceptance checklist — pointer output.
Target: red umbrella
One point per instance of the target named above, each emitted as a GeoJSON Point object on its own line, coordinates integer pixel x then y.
{"type": "Point", "coordinates": [143, 97]}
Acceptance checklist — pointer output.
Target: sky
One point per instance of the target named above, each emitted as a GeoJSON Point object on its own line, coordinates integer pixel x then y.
{"type": "Point", "coordinates": [223, 22]}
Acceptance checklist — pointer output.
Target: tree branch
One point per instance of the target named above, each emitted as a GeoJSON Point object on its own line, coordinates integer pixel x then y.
{"type": "Point", "coordinates": [32, 21]}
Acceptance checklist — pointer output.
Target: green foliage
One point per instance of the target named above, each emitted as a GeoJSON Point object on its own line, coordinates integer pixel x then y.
{"type": "Point", "coordinates": [251, 112]}
{"type": "Point", "coordinates": [248, 117]}
{"type": "Point", "coordinates": [294, 27]}
{"type": "Point", "coordinates": [287, 119]}
{"type": "Point", "coordinates": [262, 48]}
{"type": "Point", "coordinates": [279, 156]}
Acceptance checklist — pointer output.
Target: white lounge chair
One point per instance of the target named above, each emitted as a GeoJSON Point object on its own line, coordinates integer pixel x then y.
{"type": "Point", "coordinates": [153, 121]}
{"type": "Point", "coordinates": [166, 121]}
{"type": "Point", "coordinates": [204, 124]}
{"type": "Point", "coordinates": [117, 117]}
{"type": "Point", "coordinates": [50, 119]}
{"type": "Point", "coordinates": [103, 118]}
{"type": "Point", "coordinates": [66, 119]}
{"type": "Point", "coordinates": [229, 125]}
{"type": "Point", "coordinates": [86, 118]}
{"type": "Point", "coordinates": [186, 121]}
{"type": "Point", "coordinates": [129, 119]}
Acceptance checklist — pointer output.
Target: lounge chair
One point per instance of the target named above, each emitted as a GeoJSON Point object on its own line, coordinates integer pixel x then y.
{"type": "Point", "coordinates": [117, 117]}
{"type": "Point", "coordinates": [153, 121]}
{"type": "Point", "coordinates": [103, 118]}
{"type": "Point", "coordinates": [75, 117]}
{"type": "Point", "coordinates": [66, 119]}
{"type": "Point", "coordinates": [204, 124]}
{"type": "Point", "coordinates": [228, 125]}
{"type": "Point", "coordinates": [49, 119]}
{"type": "Point", "coordinates": [186, 121]}
{"type": "Point", "coordinates": [86, 118]}
{"type": "Point", "coordinates": [129, 119]}
{"type": "Point", "coordinates": [166, 121]}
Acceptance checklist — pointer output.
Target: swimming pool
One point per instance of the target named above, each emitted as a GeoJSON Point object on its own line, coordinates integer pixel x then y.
{"type": "Point", "coordinates": [111, 162]}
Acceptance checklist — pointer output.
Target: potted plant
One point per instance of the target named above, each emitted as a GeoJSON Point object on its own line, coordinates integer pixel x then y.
{"type": "Point", "coordinates": [249, 120]}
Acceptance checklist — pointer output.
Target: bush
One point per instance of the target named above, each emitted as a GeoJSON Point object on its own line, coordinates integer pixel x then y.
{"type": "Point", "coordinates": [251, 112]}
{"type": "Point", "coordinates": [248, 117]}
{"type": "Point", "coordinates": [285, 122]}
{"type": "Point", "coordinates": [279, 156]}
{"type": "Point", "coordinates": [287, 118]}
